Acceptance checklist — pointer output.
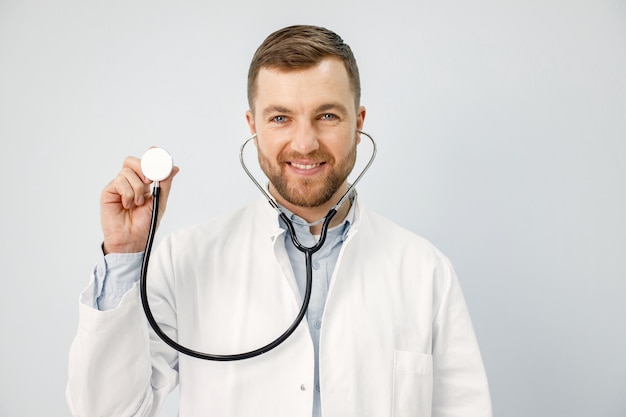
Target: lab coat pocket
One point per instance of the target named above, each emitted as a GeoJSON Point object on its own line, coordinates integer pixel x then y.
{"type": "Point", "coordinates": [413, 384]}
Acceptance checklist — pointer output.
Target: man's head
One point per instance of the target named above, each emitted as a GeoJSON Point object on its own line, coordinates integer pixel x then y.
{"type": "Point", "coordinates": [304, 111]}
{"type": "Point", "coordinates": [301, 47]}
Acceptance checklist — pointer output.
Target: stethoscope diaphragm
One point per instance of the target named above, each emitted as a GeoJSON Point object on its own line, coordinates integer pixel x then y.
{"type": "Point", "coordinates": [156, 164]}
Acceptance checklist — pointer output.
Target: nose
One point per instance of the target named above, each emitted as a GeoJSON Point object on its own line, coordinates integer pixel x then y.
{"type": "Point", "coordinates": [304, 140]}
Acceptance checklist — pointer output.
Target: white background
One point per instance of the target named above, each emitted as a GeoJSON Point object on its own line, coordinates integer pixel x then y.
{"type": "Point", "coordinates": [502, 139]}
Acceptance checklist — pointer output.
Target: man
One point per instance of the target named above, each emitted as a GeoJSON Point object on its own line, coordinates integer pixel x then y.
{"type": "Point", "coordinates": [387, 332]}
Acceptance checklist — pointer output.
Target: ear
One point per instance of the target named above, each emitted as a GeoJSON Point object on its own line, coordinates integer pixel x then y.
{"type": "Point", "coordinates": [360, 120]}
{"type": "Point", "coordinates": [250, 120]}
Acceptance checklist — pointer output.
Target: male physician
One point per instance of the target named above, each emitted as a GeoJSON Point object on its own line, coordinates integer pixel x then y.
{"type": "Point", "coordinates": [387, 332]}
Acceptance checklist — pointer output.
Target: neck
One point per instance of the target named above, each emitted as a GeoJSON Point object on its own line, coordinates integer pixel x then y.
{"type": "Point", "coordinates": [313, 214]}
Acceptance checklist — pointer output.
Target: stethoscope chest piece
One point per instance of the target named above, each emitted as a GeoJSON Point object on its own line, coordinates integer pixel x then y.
{"type": "Point", "coordinates": [156, 164]}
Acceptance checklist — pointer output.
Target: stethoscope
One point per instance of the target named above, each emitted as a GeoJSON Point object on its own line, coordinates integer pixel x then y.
{"type": "Point", "coordinates": [156, 165]}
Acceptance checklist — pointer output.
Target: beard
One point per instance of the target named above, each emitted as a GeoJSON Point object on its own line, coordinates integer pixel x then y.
{"type": "Point", "coordinates": [308, 192]}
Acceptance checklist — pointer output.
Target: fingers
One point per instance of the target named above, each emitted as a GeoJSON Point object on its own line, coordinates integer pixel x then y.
{"type": "Point", "coordinates": [130, 185]}
{"type": "Point", "coordinates": [131, 188]}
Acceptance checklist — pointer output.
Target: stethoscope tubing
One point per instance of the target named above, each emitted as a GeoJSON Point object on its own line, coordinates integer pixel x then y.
{"type": "Point", "coordinates": [308, 252]}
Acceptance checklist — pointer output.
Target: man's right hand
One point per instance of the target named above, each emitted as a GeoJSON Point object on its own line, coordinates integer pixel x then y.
{"type": "Point", "coordinates": [126, 208]}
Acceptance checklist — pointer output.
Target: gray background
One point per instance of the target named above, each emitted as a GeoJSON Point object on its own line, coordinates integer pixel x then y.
{"type": "Point", "coordinates": [501, 127]}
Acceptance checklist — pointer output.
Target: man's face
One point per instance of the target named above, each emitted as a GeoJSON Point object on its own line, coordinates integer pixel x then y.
{"type": "Point", "coordinates": [306, 122]}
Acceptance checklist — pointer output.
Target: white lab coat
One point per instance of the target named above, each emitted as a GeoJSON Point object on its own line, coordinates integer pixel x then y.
{"type": "Point", "coordinates": [396, 337]}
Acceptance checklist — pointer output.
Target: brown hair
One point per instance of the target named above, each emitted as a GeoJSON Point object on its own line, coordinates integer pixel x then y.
{"type": "Point", "coordinates": [301, 47]}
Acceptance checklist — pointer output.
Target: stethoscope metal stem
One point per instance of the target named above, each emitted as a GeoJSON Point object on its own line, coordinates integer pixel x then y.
{"type": "Point", "coordinates": [343, 198]}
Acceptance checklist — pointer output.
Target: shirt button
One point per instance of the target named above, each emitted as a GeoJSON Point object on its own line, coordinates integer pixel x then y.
{"type": "Point", "coordinates": [317, 387]}
{"type": "Point", "coordinates": [316, 265]}
{"type": "Point", "coordinates": [303, 387]}
{"type": "Point", "coordinates": [317, 324]}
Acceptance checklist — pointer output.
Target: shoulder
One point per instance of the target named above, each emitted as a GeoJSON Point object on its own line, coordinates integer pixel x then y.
{"type": "Point", "coordinates": [390, 232]}
{"type": "Point", "coordinates": [408, 256]}
{"type": "Point", "coordinates": [377, 233]}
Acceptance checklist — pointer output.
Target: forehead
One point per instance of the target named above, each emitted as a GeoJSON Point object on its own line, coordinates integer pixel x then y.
{"type": "Point", "coordinates": [326, 81]}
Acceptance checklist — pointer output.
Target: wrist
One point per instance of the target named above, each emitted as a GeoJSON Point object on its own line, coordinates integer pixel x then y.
{"type": "Point", "coordinates": [108, 248]}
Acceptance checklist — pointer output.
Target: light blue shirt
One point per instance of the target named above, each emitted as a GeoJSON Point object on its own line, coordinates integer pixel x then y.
{"type": "Point", "coordinates": [116, 274]}
{"type": "Point", "coordinates": [323, 263]}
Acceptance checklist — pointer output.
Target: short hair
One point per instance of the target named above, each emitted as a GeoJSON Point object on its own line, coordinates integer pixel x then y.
{"type": "Point", "coordinates": [301, 47]}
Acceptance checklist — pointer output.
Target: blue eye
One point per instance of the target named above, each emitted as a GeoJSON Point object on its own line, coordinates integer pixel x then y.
{"type": "Point", "coordinates": [328, 116]}
{"type": "Point", "coordinates": [279, 119]}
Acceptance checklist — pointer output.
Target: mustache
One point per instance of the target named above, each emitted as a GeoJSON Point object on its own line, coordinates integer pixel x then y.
{"type": "Point", "coordinates": [316, 155]}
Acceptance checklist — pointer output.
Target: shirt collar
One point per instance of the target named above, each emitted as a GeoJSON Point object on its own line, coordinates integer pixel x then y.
{"type": "Point", "coordinates": [299, 223]}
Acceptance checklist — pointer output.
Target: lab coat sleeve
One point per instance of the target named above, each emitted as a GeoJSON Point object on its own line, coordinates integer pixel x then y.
{"type": "Point", "coordinates": [460, 383]}
{"type": "Point", "coordinates": [113, 369]}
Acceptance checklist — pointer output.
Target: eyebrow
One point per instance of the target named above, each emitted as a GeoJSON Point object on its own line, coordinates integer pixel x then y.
{"type": "Point", "coordinates": [273, 108]}
{"type": "Point", "coordinates": [332, 106]}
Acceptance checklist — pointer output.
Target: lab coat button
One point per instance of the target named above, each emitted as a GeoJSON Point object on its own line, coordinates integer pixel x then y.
{"type": "Point", "coordinates": [303, 387]}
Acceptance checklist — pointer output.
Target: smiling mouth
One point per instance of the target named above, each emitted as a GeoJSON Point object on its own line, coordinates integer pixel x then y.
{"type": "Point", "coordinates": [305, 167]}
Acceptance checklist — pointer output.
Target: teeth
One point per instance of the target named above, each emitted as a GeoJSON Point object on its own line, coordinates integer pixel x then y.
{"type": "Point", "coordinates": [299, 166]}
